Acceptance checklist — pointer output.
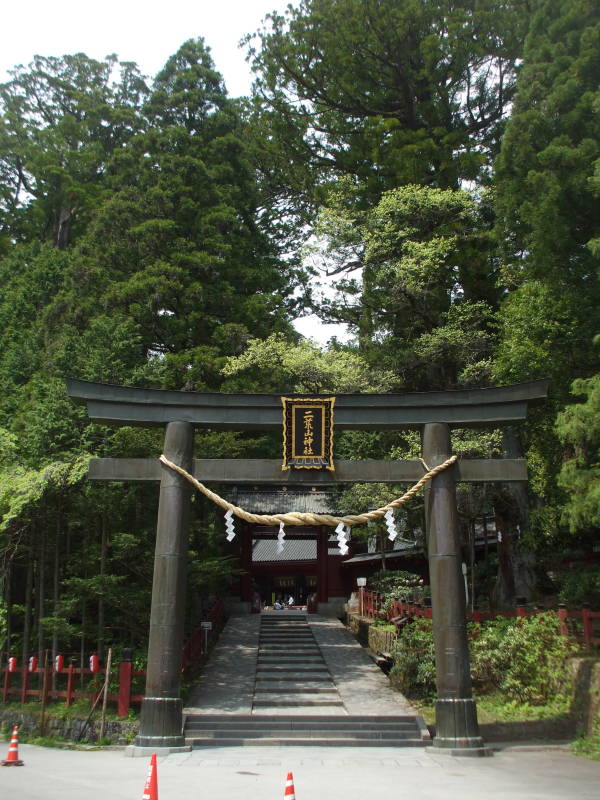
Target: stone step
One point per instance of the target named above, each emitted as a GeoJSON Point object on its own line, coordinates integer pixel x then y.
{"type": "Point", "coordinates": [288, 648]}
{"type": "Point", "coordinates": [295, 687]}
{"type": "Point", "coordinates": [274, 733]}
{"type": "Point", "coordinates": [277, 666]}
{"type": "Point", "coordinates": [290, 655]}
{"type": "Point", "coordinates": [316, 665]}
{"type": "Point", "coordinates": [311, 721]}
{"type": "Point", "coordinates": [283, 700]}
{"type": "Point", "coordinates": [271, 729]}
{"type": "Point", "coordinates": [292, 675]}
{"type": "Point", "coordinates": [290, 663]}
{"type": "Point", "coordinates": [285, 630]}
{"type": "Point", "coordinates": [290, 630]}
{"type": "Point", "coordinates": [272, 639]}
{"type": "Point", "coordinates": [285, 741]}
{"type": "Point", "coordinates": [293, 643]}
{"type": "Point", "coordinates": [296, 624]}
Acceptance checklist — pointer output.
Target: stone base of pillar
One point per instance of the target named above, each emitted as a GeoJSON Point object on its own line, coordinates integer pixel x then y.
{"type": "Point", "coordinates": [464, 752]}
{"type": "Point", "coordinates": [161, 723]}
{"type": "Point", "coordinates": [457, 729]}
{"type": "Point", "coordinates": [132, 751]}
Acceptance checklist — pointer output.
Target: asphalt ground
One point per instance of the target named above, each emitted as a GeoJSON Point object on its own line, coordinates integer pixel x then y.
{"type": "Point", "coordinates": [320, 773]}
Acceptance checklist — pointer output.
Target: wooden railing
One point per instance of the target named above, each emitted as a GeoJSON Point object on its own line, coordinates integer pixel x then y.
{"type": "Point", "coordinates": [31, 681]}
{"type": "Point", "coordinates": [579, 624]}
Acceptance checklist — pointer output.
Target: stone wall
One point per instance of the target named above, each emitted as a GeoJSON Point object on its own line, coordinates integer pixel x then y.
{"type": "Point", "coordinates": [381, 641]}
{"type": "Point", "coordinates": [118, 732]}
{"type": "Point", "coordinates": [586, 706]}
{"type": "Point", "coordinates": [376, 639]}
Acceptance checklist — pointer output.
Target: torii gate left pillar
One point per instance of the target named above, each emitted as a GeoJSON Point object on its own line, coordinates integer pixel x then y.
{"type": "Point", "coordinates": [160, 723]}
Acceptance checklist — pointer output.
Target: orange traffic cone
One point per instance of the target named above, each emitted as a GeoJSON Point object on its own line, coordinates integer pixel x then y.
{"type": "Point", "coordinates": [289, 793]}
{"type": "Point", "coordinates": [151, 787]}
{"type": "Point", "coordinates": [12, 759]}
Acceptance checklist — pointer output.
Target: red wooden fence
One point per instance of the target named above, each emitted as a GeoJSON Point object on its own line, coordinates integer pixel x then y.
{"type": "Point", "coordinates": [579, 624]}
{"type": "Point", "coordinates": [65, 677]}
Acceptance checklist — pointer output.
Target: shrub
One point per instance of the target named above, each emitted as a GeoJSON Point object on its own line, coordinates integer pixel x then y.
{"type": "Point", "coordinates": [535, 657]}
{"type": "Point", "coordinates": [580, 585]}
{"type": "Point", "coordinates": [525, 658]}
{"type": "Point", "coordinates": [397, 584]}
{"type": "Point", "coordinates": [414, 660]}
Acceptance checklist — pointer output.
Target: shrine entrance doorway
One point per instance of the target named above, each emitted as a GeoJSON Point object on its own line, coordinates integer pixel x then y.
{"type": "Point", "coordinates": [306, 564]}
{"type": "Point", "coordinates": [433, 413]}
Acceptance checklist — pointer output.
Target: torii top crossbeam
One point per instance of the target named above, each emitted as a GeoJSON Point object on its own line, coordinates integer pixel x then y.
{"type": "Point", "coordinates": [123, 405]}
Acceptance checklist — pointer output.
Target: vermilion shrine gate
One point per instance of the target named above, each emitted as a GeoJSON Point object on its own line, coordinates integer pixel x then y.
{"type": "Point", "coordinates": [434, 413]}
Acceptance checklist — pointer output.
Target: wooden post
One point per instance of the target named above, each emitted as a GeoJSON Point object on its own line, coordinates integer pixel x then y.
{"type": "Point", "coordinates": [457, 729]}
{"type": "Point", "coordinates": [44, 695]}
{"type": "Point", "coordinates": [125, 677]}
{"type": "Point", "coordinates": [562, 617]}
{"type": "Point", "coordinates": [246, 562]}
{"type": "Point", "coordinates": [322, 548]}
{"type": "Point", "coordinates": [24, 682]}
{"type": "Point", "coordinates": [161, 720]}
{"type": "Point", "coordinates": [105, 695]}
{"type": "Point", "coordinates": [587, 624]}
{"type": "Point", "coordinates": [70, 676]}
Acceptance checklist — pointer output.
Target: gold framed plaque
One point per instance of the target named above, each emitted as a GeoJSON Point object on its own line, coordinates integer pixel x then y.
{"type": "Point", "coordinates": [308, 432]}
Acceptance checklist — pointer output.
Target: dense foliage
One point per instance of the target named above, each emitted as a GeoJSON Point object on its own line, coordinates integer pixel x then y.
{"type": "Point", "coordinates": [440, 165]}
{"type": "Point", "coordinates": [526, 658]}
{"type": "Point", "coordinates": [134, 251]}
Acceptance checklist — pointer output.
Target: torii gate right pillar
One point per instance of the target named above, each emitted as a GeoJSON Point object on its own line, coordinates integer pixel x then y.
{"type": "Point", "coordinates": [457, 729]}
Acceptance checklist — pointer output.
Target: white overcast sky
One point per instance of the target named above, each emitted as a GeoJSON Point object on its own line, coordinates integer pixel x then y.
{"type": "Point", "coordinates": [144, 31]}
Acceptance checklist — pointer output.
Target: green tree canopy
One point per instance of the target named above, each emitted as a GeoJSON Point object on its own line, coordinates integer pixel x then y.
{"type": "Point", "coordinates": [388, 92]}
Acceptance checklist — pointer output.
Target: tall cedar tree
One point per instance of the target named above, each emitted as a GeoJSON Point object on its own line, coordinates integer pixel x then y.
{"type": "Point", "coordinates": [387, 92]}
{"type": "Point", "coordinates": [549, 219]}
{"type": "Point", "coordinates": [133, 253]}
{"type": "Point", "coordinates": [178, 244]}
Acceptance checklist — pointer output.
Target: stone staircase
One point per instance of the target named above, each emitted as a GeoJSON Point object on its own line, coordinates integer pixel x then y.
{"type": "Point", "coordinates": [296, 701]}
{"type": "Point", "coordinates": [221, 730]}
{"type": "Point", "coordinates": [290, 670]}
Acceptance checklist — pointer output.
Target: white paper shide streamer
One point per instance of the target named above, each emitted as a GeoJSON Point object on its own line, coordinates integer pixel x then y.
{"type": "Point", "coordinates": [280, 538]}
{"type": "Point", "coordinates": [343, 534]}
{"type": "Point", "coordinates": [389, 521]}
{"type": "Point", "coordinates": [229, 525]}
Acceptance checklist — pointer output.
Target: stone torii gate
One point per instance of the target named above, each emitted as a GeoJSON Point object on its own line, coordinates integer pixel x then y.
{"type": "Point", "coordinates": [434, 413]}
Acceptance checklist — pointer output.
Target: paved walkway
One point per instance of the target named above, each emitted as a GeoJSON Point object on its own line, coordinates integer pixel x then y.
{"type": "Point", "coordinates": [227, 683]}
{"type": "Point", "coordinates": [361, 684]}
{"type": "Point", "coordinates": [319, 774]}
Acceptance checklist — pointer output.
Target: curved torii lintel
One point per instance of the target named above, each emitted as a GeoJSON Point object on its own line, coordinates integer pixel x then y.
{"type": "Point", "coordinates": [124, 405]}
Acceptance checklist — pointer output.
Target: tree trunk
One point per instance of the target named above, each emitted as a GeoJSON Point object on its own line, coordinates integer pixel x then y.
{"type": "Point", "coordinates": [103, 548]}
{"type": "Point", "coordinates": [82, 647]}
{"type": "Point", "coordinates": [41, 567]}
{"type": "Point", "coordinates": [55, 591]}
{"type": "Point", "coordinates": [27, 614]}
{"type": "Point", "coordinates": [515, 566]}
{"type": "Point", "coordinates": [504, 590]}
{"type": "Point", "coordinates": [7, 593]}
